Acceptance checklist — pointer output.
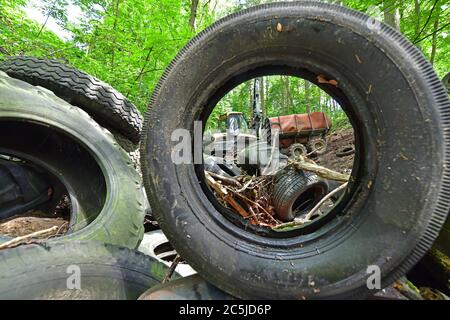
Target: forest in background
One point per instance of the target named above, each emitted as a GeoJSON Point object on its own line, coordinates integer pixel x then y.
{"type": "Point", "coordinates": [129, 43]}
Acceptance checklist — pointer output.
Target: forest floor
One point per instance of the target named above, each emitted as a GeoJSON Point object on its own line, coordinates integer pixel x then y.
{"type": "Point", "coordinates": [34, 220]}
{"type": "Point", "coordinates": [335, 142]}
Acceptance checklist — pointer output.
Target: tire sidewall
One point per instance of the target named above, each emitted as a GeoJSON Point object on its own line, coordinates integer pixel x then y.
{"type": "Point", "coordinates": [120, 221]}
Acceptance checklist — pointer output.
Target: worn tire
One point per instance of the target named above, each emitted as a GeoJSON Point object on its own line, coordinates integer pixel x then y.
{"type": "Point", "coordinates": [345, 151]}
{"type": "Point", "coordinates": [43, 271]}
{"type": "Point", "coordinates": [292, 186]}
{"type": "Point", "coordinates": [318, 146]}
{"type": "Point", "coordinates": [102, 102]}
{"type": "Point", "coordinates": [107, 190]}
{"type": "Point", "coordinates": [399, 193]}
{"type": "Point", "coordinates": [297, 149]}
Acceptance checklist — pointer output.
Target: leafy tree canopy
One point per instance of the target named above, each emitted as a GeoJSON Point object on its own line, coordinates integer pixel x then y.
{"type": "Point", "coordinates": [128, 43]}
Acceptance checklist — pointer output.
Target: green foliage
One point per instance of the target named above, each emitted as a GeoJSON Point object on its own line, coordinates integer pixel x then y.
{"type": "Point", "coordinates": [125, 43]}
{"type": "Point", "coordinates": [128, 43]}
{"type": "Point", "coordinates": [283, 95]}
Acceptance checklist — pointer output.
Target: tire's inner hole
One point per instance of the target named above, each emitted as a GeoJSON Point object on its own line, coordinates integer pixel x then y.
{"type": "Point", "coordinates": [307, 200]}
{"type": "Point", "coordinates": [281, 117]}
{"type": "Point", "coordinates": [62, 166]}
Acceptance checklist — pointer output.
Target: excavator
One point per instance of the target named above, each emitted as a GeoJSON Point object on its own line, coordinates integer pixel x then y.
{"type": "Point", "coordinates": [298, 134]}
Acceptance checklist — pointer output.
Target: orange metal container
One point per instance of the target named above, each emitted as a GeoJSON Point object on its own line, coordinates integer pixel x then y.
{"type": "Point", "coordinates": [300, 127]}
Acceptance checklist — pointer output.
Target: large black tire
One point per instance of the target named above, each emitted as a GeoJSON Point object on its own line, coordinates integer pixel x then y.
{"type": "Point", "coordinates": [399, 193]}
{"type": "Point", "coordinates": [297, 190]}
{"type": "Point", "coordinates": [102, 102]}
{"type": "Point", "coordinates": [106, 272]}
{"type": "Point", "coordinates": [107, 199]}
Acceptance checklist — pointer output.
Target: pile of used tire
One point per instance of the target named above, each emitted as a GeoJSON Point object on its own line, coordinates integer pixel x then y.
{"type": "Point", "coordinates": [64, 133]}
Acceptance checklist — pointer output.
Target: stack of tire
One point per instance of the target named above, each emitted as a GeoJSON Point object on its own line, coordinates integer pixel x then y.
{"type": "Point", "coordinates": [397, 199]}
{"type": "Point", "coordinates": [75, 135]}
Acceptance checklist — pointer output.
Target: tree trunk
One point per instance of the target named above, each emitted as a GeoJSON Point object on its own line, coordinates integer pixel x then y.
{"type": "Point", "coordinates": [417, 13]}
{"type": "Point", "coordinates": [116, 17]}
{"type": "Point", "coordinates": [266, 96]}
{"type": "Point", "coordinates": [290, 101]}
{"type": "Point", "coordinates": [194, 6]}
{"type": "Point", "coordinates": [262, 96]}
{"type": "Point", "coordinates": [286, 90]}
{"type": "Point", "coordinates": [307, 97]}
{"type": "Point", "coordinates": [434, 39]}
{"type": "Point", "coordinates": [391, 13]}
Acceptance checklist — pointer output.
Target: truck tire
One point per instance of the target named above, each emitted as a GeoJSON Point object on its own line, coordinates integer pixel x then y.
{"type": "Point", "coordinates": [345, 151]}
{"type": "Point", "coordinates": [107, 199]}
{"type": "Point", "coordinates": [317, 146]}
{"type": "Point", "coordinates": [399, 192]}
{"type": "Point", "coordinates": [296, 192]}
{"type": "Point", "coordinates": [46, 271]}
{"type": "Point", "coordinates": [102, 102]}
{"type": "Point", "coordinates": [297, 149]}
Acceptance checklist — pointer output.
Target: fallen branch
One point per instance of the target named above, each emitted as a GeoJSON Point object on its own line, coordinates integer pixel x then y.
{"type": "Point", "coordinates": [171, 269]}
{"type": "Point", "coordinates": [18, 240]}
{"type": "Point", "coordinates": [245, 186]}
{"type": "Point", "coordinates": [319, 170]}
{"type": "Point", "coordinates": [255, 204]}
{"type": "Point", "coordinates": [322, 201]}
{"type": "Point", "coordinates": [253, 213]}
{"type": "Point", "coordinates": [226, 180]}
{"type": "Point", "coordinates": [408, 289]}
{"type": "Point", "coordinates": [222, 192]}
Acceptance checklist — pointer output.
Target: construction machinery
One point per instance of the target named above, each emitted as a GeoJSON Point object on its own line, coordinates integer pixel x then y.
{"type": "Point", "coordinates": [298, 134]}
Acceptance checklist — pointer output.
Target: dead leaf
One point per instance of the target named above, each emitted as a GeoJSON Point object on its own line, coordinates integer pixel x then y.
{"type": "Point", "coordinates": [321, 79]}
{"type": "Point", "coordinates": [279, 27]}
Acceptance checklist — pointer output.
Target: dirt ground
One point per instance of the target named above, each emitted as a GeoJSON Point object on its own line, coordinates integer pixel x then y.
{"type": "Point", "coordinates": [31, 222]}
{"type": "Point", "coordinates": [335, 142]}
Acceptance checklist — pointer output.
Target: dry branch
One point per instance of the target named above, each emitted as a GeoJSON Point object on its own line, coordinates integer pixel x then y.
{"type": "Point", "coordinates": [171, 269]}
{"type": "Point", "coordinates": [257, 205]}
{"type": "Point", "coordinates": [222, 192]}
{"type": "Point", "coordinates": [18, 240]}
{"type": "Point", "coordinates": [322, 201]}
{"type": "Point", "coordinates": [309, 165]}
{"type": "Point", "coordinates": [226, 180]}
